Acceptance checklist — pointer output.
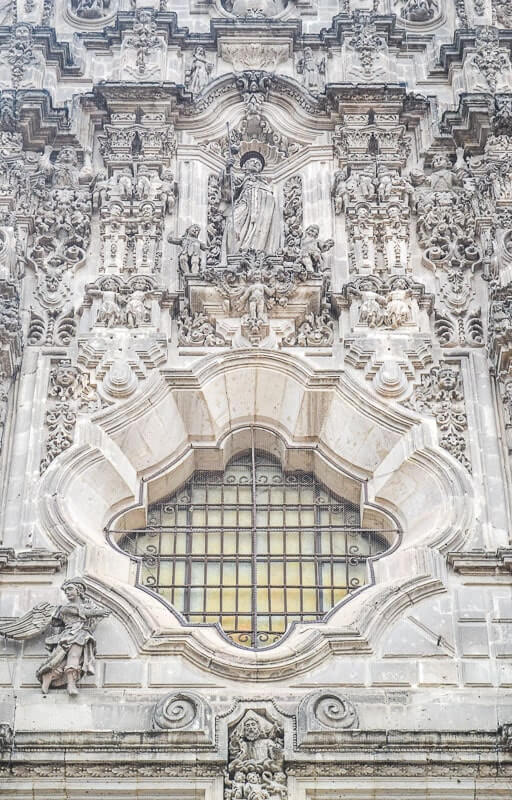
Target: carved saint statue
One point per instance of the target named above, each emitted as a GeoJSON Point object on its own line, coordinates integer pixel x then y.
{"type": "Point", "coordinates": [255, 769]}
{"type": "Point", "coordinates": [198, 75]}
{"type": "Point", "coordinates": [252, 221]}
{"type": "Point", "coordinates": [253, 8]}
{"type": "Point", "coordinates": [72, 644]}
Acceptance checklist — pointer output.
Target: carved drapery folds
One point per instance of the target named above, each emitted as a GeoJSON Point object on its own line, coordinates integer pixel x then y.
{"type": "Point", "coordinates": [256, 762]}
{"type": "Point", "coordinates": [71, 642]}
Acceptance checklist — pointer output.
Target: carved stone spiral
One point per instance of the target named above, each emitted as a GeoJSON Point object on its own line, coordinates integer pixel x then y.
{"type": "Point", "coordinates": [175, 712]}
{"type": "Point", "coordinates": [334, 711]}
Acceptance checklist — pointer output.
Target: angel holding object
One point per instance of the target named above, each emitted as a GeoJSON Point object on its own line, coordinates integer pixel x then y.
{"type": "Point", "coordinates": [72, 644]}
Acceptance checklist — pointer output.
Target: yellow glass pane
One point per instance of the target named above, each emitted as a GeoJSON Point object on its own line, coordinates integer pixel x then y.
{"type": "Point", "coordinates": [165, 576]}
{"type": "Point", "coordinates": [179, 573]}
{"type": "Point", "coordinates": [229, 573]}
{"type": "Point", "coordinates": [292, 542]}
{"type": "Point", "coordinates": [292, 572]}
{"type": "Point", "coordinates": [327, 575]}
{"type": "Point", "coordinates": [197, 573]}
{"type": "Point", "coordinates": [215, 494]}
{"type": "Point", "coordinates": [276, 517]}
{"type": "Point", "coordinates": [339, 594]}
{"type": "Point", "coordinates": [198, 516]}
{"type": "Point", "coordinates": [276, 542]}
{"type": "Point", "coordinates": [261, 518]}
{"type": "Point", "coordinates": [244, 600]}
{"type": "Point", "coordinates": [277, 599]}
{"type": "Point", "coordinates": [291, 517]}
{"type": "Point", "coordinates": [230, 517]}
{"type": "Point", "coordinates": [326, 599]}
{"type": "Point", "coordinates": [244, 623]}
{"type": "Point", "coordinates": [244, 518]}
{"type": "Point", "coordinates": [325, 542]}
{"type": "Point", "coordinates": [214, 517]}
{"type": "Point", "coordinates": [262, 600]}
{"type": "Point", "coordinates": [292, 495]}
{"type": "Point", "coordinates": [229, 542]}
{"type": "Point", "coordinates": [309, 599]}
{"type": "Point", "coordinates": [179, 599]}
{"type": "Point", "coordinates": [262, 573]}
{"type": "Point", "coordinates": [308, 573]}
{"type": "Point", "coordinates": [196, 599]}
{"type": "Point", "coordinates": [228, 623]}
{"type": "Point", "coordinates": [228, 599]}
{"type": "Point", "coordinates": [338, 543]}
{"type": "Point", "coordinates": [278, 624]}
{"type": "Point", "coordinates": [196, 618]}
{"type": "Point", "coordinates": [213, 600]}
{"type": "Point", "coordinates": [182, 518]}
{"type": "Point", "coordinates": [198, 494]}
{"type": "Point", "coordinates": [168, 516]}
{"type": "Point", "coordinates": [244, 574]}
{"type": "Point", "coordinates": [276, 574]}
{"type": "Point", "coordinates": [213, 573]}
{"type": "Point", "coordinates": [261, 542]}
{"type": "Point", "coordinates": [324, 516]}
{"type": "Point", "coordinates": [340, 574]}
{"type": "Point", "coordinates": [181, 543]}
{"type": "Point", "coordinates": [276, 495]}
{"type": "Point", "coordinates": [244, 494]}
{"type": "Point", "coordinates": [198, 542]}
{"type": "Point", "coordinates": [230, 494]}
{"type": "Point", "coordinates": [213, 540]}
{"type": "Point", "coordinates": [244, 542]}
{"type": "Point", "coordinates": [167, 544]}
{"type": "Point", "coordinates": [293, 600]}
{"type": "Point", "coordinates": [307, 517]}
{"type": "Point", "coordinates": [306, 495]}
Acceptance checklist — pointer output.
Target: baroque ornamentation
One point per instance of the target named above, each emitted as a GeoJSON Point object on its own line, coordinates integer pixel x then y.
{"type": "Point", "coordinates": [69, 392]}
{"type": "Point", "coordinates": [256, 764]}
{"type": "Point", "coordinates": [441, 393]}
{"type": "Point", "coordinates": [197, 329]}
{"type": "Point", "coordinates": [71, 643]}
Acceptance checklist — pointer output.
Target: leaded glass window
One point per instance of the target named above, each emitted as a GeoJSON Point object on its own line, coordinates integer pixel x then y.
{"type": "Point", "coordinates": [253, 548]}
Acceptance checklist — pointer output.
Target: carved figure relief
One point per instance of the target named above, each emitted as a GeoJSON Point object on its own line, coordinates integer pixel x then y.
{"type": "Point", "coordinates": [252, 219]}
{"type": "Point", "coordinates": [71, 643]}
{"type": "Point", "coordinates": [255, 768]}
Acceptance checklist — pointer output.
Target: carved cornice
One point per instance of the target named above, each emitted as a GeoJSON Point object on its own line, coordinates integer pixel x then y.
{"type": "Point", "coordinates": [37, 560]}
{"type": "Point", "coordinates": [481, 562]}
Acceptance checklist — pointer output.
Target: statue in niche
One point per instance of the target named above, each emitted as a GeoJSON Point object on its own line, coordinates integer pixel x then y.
{"type": "Point", "coordinates": [252, 218]}
{"type": "Point", "coordinates": [137, 312]}
{"type": "Point", "coordinates": [312, 71]}
{"type": "Point", "coordinates": [254, 8]}
{"type": "Point", "coordinates": [399, 305]}
{"type": "Point", "coordinates": [419, 10]}
{"type": "Point", "coordinates": [198, 75]}
{"type": "Point", "coordinates": [312, 250]}
{"type": "Point", "coordinates": [189, 259]}
{"type": "Point", "coordinates": [72, 645]}
{"type": "Point", "coordinates": [91, 9]}
{"type": "Point", "coordinates": [109, 313]}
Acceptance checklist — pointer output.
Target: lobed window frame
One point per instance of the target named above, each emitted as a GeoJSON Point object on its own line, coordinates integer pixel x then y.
{"type": "Point", "coordinates": [284, 573]}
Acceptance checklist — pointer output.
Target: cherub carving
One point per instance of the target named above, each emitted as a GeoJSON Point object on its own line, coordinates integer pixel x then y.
{"type": "Point", "coordinates": [312, 250]}
{"type": "Point", "coordinates": [189, 259]}
{"type": "Point", "coordinates": [72, 644]}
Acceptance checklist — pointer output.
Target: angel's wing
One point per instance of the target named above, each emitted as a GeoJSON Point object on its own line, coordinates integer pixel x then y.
{"type": "Point", "coordinates": [32, 623]}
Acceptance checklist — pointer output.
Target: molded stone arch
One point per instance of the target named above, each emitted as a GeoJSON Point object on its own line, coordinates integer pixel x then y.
{"type": "Point", "coordinates": [141, 448]}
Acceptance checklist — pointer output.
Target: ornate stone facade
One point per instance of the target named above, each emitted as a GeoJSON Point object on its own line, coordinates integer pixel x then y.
{"type": "Point", "coordinates": [256, 399]}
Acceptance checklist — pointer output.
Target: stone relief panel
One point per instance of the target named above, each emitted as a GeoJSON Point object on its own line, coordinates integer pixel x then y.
{"type": "Point", "coordinates": [71, 643]}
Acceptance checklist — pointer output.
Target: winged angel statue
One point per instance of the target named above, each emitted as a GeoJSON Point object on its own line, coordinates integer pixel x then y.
{"type": "Point", "coordinates": [71, 643]}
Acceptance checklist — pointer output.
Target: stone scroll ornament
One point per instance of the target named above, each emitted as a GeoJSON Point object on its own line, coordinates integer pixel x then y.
{"type": "Point", "coordinates": [256, 769]}
{"type": "Point", "coordinates": [71, 642]}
